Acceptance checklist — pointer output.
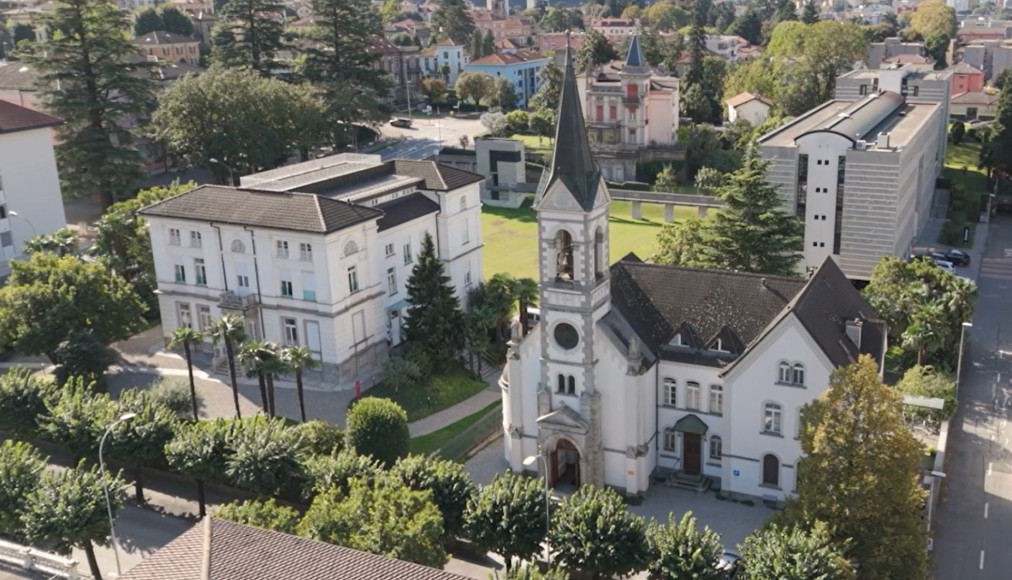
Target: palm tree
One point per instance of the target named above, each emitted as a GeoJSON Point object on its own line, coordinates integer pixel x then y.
{"type": "Point", "coordinates": [525, 290]}
{"type": "Point", "coordinates": [299, 358]}
{"type": "Point", "coordinates": [272, 364]}
{"type": "Point", "coordinates": [230, 330]}
{"type": "Point", "coordinates": [188, 338]}
{"type": "Point", "coordinates": [252, 357]}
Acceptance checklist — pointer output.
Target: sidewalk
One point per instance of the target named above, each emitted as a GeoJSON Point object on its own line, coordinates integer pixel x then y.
{"type": "Point", "coordinates": [476, 403]}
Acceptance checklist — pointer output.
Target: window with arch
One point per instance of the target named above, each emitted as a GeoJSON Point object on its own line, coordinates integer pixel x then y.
{"type": "Point", "coordinates": [692, 395]}
{"type": "Point", "coordinates": [350, 248]}
{"type": "Point", "coordinates": [670, 392]}
{"type": "Point", "coordinates": [561, 386]}
{"type": "Point", "coordinates": [599, 260]}
{"type": "Point", "coordinates": [571, 386]}
{"type": "Point", "coordinates": [238, 247]}
{"type": "Point", "coordinates": [798, 374]}
{"type": "Point", "coordinates": [771, 470]}
{"type": "Point", "coordinates": [564, 256]}
{"type": "Point", "coordinates": [773, 418]}
{"type": "Point", "coordinates": [784, 372]}
{"type": "Point", "coordinates": [716, 447]}
{"type": "Point", "coordinates": [717, 399]}
{"type": "Point", "coordinates": [670, 439]}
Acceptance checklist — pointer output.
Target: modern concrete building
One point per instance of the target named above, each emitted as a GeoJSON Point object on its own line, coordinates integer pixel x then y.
{"type": "Point", "coordinates": [521, 67]}
{"type": "Point", "coordinates": [502, 163]}
{"type": "Point", "coordinates": [315, 254]}
{"type": "Point", "coordinates": [860, 170]}
{"type": "Point", "coordinates": [878, 52]}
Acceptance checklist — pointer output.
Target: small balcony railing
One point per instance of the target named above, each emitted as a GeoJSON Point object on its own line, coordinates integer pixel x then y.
{"type": "Point", "coordinates": [231, 301]}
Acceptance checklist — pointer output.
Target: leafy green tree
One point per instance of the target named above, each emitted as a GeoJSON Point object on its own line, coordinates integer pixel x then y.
{"type": "Point", "coordinates": [265, 456]}
{"type": "Point", "coordinates": [937, 45]}
{"type": "Point", "coordinates": [88, 76]}
{"type": "Point", "coordinates": [433, 89]}
{"type": "Point", "coordinates": [147, 20]}
{"type": "Point", "coordinates": [810, 12]}
{"type": "Point", "coordinates": [383, 517]}
{"type": "Point", "coordinates": [530, 572]}
{"type": "Point", "coordinates": [518, 121]}
{"type": "Point", "coordinates": [299, 358]}
{"type": "Point", "coordinates": [508, 517]}
{"type": "Point", "coordinates": [751, 233]}
{"type": "Point", "coordinates": [173, 394]}
{"type": "Point", "coordinates": [62, 242]}
{"type": "Point", "coordinates": [452, 20]}
{"type": "Point", "coordinates": [543, 123]}
{"type": "Point", "coordinates": [175, 20]}
{"type": "Point", "coordinates": [594, 531]}
{"type": "Point", "coordinates": [504, 94]}
{"type": "Point", "coordinates": [667, 179]}
{"type": "Point", "coordinates": [475, 86]}
{"type": "Point", "coordinates": [748, 26]}
{"type": "Point", "coordinates": [378, 428]}
{"type": "Point", "coordinates": [594, 51]}
{"type": "Point", "coordinates": [477, 46]}
{"type": "Point", "coordinates": [230, 331]}
{"type": "Point", "coordinates": [957, 132]}
{"type": "Point", "coordinates": [546, 101]}
{"type": "Point", "coordinates": [488, 42]}
{"type": "Point", "coordinates": [819, 53]}
{"type": "Point", "coordinates": [927, 332]}
{"type": "Point", "coordinates": [199, 450]}
{"type": "Point", "coordinates": [326, 472]}
{"type": "Point", "coordinates": [189, 339]}
{"type": "Point", "coordinates": [40, 305]}
{"type": "Point", "coordinates": [68, 510]}
{"type": "Point", "coordinates": [926, 381]}
{"type": "Point", "coordinates": [247, 121]}
{"type": "Point", "coordinates": [433, 320]}
{"type": "Point", "coordinates": [495, 123]}
{"type": "Point", "coordinates": [452, 488]}
{"type": "Point", "coordinates": [142, 440]}
{"type": "Point", "coordinates": [320, 437]}
{"type": "Point", "coordinates": [666, 16]}
{"type": "Point", "coordinates": [21, 468]}
{"type": "Point", "coordinates": [680, 550]}
{"type": "Point", "coordinates": [696, 44]}
{"type": "Point", "coordinates": [78, 418]}
{"type": "Point", "coordinates": [248, 35]}
{"type": "Point", "coordinates": [997, 151]}
{"type": "Point", "coordinates": [265, 514]}
{"type": "Point", "coordinates": [23, 400]}
{"type": "Point", "coordinates": [933, 17]}
{"type": "Point", "coordinates": [1000, 81]}
{"type": "Point", "coordinates": [780, 553]}
{"type": "Point", "coordinates": [679, 243]}
{"type": "Point", "coordinates": [884, 519]}
{"type": "Point", "coordinates": [704, 148]}
{"type": "Point", "coordinates": [82, 354]}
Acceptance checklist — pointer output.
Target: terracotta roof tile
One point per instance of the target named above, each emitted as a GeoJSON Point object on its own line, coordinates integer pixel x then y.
{"type": "Point", "coordinates": [15, 118]}
{"type": "Point", "coordinates": [158, 37]}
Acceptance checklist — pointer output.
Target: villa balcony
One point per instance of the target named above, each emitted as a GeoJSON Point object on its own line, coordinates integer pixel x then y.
{"type": "Point", "coordinates": [229, 300]}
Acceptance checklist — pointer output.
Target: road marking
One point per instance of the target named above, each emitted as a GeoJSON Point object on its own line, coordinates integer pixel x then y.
{"type": "Point", "coordinates": [989, 464]}
{"type": "Point", "coordinates": [985, 510]}
{"type": "Point", "coordinates": [982, 559]}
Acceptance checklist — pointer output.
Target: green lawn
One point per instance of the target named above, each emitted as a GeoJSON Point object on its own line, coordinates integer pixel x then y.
{"type": "Point", "coordinates": [533, 144]}
{"type": "Point", "coordinates": [511, 236]}
{"type": "Point", "coordinates": [432, 442]}
{"type": "Point", "coordinates": [964, 155]}
{"type": "Point", "coordinates": [441, 392]}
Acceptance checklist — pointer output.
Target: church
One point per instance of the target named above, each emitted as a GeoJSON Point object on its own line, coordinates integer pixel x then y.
{"type": "Point", "coordinates": [640, 373]}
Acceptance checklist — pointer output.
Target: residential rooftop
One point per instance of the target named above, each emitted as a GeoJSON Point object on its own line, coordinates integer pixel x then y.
{"type": "Point", "coordinates": [14, 118]}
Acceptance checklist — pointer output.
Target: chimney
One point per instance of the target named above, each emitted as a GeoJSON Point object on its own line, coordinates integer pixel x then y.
{"type": "Point", "coordinates": [854, 331]}
{"type": "Point", "coordinates": [883, 141]}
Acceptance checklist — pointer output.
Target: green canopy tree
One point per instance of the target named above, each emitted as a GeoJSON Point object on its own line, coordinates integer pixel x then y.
{"type": "Point", "coordinates": [147, 20]}
{"type": "Point", "coordinates": [68, 510]}
{"type": "Point", "coordinates": [860, 474]}
{"type": "Point", "coordinates": [88, 76]}
{"type": "Point", "coordinates": [452, 488]}
{"type": "Point", "coordinates": [21, 468]}
{"type": "Point", "coordinates": [934, 16]}
{"type": "Point", "coordinates": [141, 441]}
{"type": "Point", "coordinates": [199, 450]}
{"type": "Point", "coordinates": [62, 242]}
{"type": "Point", "coordinates": [265, 456]}
{"type": "Point", "coordinates": [452, 20]}
{"type": "Point", "coordinates": [679, 243]}
{"type": "Point", "coordinates": [249, 35]}
{"type": "Point", "coordinates": [40, 305]}
{"type": "Point", "coordinates": [996, 153]}
{"type": "Point", "coordinates": [338, 470]}
{"type": "Point", "coordinates": [508, 517]}
{"type": "Point", "coordinates": [433, 321]}
{"type": "Point", "coordinates": [188, 339]}
{"type": "Point", "coordinates": [230, 331]}
{"type": "Point", "coordinates": [23, 400]}
{"type": "Point", "coordinates": [378, 428]}
{"type": "Point", "coordinates": [680, 550]}
{"type": "Point", "coordinates": [266, 514]}
{"type": "Point", "coordinates": [546, 101]}
{"type": "Point", "coordinates": [751, 233]}
{"type": "Point", "coordinates": [383, 517]}
{"type": "Point", "coordinates": [433, 89]}
{"type": "Point", "coordinates": [595, 532]}
{"type": "Point", "coordinates": [595, 50]}
{"type": "Point", "coordinates": [78, 418]}
{"type": "Point", "coordinates": [779, 553]}
{"type": "Point", "coordinates": [321, 437]}
{"type": "Point", "coordinates": [926, 381]}
{"type": "Point", "coordinates": [175, 20]}
{"type": "Point", "coordinates": [475, 86]}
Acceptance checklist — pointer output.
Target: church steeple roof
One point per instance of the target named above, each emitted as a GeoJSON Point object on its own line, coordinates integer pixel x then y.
{"type": "Point", "coordinates": [635, 57]}
{"type": "Point", "coordinates": [572, 162]}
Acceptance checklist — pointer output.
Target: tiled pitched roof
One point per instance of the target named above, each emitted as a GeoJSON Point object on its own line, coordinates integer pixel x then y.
{"type": "Point", "coordinates": [974, 98]}
{"type": "Point", "coordinates": [16, 75]}
{"type": "Point", "coordinates": [220, 550]}
{"type": "Point", "coordinates": [964, 69]}
{"type": "Point", "coordinates": [437, 176]}
{"type": "Point", "coordinates": [448, 42]}
{"type": "Point", "coordinates": [742, 98]}
{"type": "Point", "coordinates": [15, 118]}
{"type": "Point", "coordinates": [507, 58]}
{"type": "Point", "coordinates": [405, 209]}
{"type": "Point", "coordinates": [302, 212]}
{"type": "Point", "coordinates": [158, 37]}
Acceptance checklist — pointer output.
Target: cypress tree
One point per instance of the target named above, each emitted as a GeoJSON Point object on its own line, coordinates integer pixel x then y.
{"type": "Point", "coordinates": [249, 36]}
{"type": "Point", "coordinates": [434, 322]}
{"type": "Point", "coordinates": [751, 233]}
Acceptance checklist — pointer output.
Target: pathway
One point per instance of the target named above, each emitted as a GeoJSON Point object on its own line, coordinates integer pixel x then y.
{"type": "Point", "coordinates": [467, 407]}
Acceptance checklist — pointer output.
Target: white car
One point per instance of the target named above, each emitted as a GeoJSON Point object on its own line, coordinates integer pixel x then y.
{"type": "Point", "coordinates": [947, 266]}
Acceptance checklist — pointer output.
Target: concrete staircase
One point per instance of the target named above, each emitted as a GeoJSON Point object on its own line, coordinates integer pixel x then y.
{"type": "Point", "coordinates": [697, 483]}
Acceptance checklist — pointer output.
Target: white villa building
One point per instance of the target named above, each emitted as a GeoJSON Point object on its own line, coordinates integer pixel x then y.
{"type": "Point", "coordinates": [315, 254]}
{"type": "Point", "coordinates": [30, 200]}
{"type": "Point", "coordinates": [639, 373]}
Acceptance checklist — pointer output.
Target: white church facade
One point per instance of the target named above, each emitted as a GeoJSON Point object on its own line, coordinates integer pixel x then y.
{"type": "Point", "coordinates": [639, 373]}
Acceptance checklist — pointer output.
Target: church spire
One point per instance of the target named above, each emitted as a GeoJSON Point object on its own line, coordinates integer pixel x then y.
{"type": "Point", "coordinates": [572, 162]}
{"type": "Point", "coordinates": [635, 57]}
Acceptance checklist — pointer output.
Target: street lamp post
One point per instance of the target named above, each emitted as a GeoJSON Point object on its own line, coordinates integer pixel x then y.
{"type": "Point", "coordinates": [35, 233]}
{"type": "Point", "coordinates": [231, 174]}
{"type": "Point", "coordinates": [105, 485]}
{"type": "Point", "coordinates": [959, 363]}
{"type": "Point", "coordinates": [529, 462]}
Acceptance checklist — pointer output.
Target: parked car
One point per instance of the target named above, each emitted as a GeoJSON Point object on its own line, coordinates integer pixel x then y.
{"type": "Point", "coordinates": [402, 123]}
{"type": "Point", "coordinates": [958, 257]}
{"type": "Point", "coordinates": [729, 564]}
{"type": "Point", "coordinates": [946, 265]}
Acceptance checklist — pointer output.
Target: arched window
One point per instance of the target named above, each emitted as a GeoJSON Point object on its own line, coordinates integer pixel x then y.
{"type": "Point", "coordinates": [564, 256]}
{"type": "Point", "coordinates": [599, 259]}
{"type": "Point", "coordinates": [784, 376]}
{"type": "Point", "coordinates": [561, 388]}
{"type": "Point", "coordinates": [716, 447]}
{"type": "Point", "coordinates": [692, 395]}
{"type": "Point", "coordinates": [772, 418]}
{"type": "Point", "coordinates": [798, 374]}
{"type": "Point", "coordinates": [771, 470]}
{"type": "Point", "coordinates": [572, 385]}
{"type": "Point", "coordinates": [238, 247]}
{"type": "Point", "coordinates": [350, 248]}
{"type": "Point", "coordinates": [669, 439]}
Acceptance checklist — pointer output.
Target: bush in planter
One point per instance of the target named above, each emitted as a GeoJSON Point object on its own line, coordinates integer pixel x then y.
{"type": "Point", "coordinates": [321, 437]}
{"type": "Point", "coordinates": [379, 428]}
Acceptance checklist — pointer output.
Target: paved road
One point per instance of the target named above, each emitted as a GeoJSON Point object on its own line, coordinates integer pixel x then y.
{"type": "Point", "coordinates": [975, 518]}
{"type": "Point", "coordinates": [426, 136]}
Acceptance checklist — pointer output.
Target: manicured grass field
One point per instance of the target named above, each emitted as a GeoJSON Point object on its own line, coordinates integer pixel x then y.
{"type": "Point", "coordinates": [441, 392]}
{"type": "Point", "coordinates": [511, 236]}
{"type": "Point", "coordinates": [965, 155]}
{"type": "Point", "coordinates": [426, 444]}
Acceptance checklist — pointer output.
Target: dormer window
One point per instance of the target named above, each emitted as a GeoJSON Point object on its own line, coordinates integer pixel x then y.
{"type": "Point", "coordinates": [677, 340]}
{"type": "Point", "coordinates": [718, 345]}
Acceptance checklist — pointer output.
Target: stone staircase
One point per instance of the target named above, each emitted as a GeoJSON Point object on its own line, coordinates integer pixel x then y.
{"type": "Point", "coordinates": [682, 480]}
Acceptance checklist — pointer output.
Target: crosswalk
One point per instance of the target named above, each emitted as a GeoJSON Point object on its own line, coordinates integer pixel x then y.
{"type": "Point", "coordinates": [996, 269]}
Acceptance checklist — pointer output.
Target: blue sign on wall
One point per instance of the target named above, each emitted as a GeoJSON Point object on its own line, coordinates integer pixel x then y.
{"type": "Point", "coordinates": [737, 473]}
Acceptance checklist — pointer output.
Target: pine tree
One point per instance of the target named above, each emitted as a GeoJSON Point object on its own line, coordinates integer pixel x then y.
{"type": "Point", "coordinates": [488, 43]}
{"type": "Point", "coordinates": [477, 46]}
{"type": "Point", "coordinates": [89, 77]}
{"type": "Point", "coordinates": [697, 44]}
{"type": "Point", "coordinates": [434, 320]}
{"type": "Point", "coordinates": [751, 233]}
{"type": "Point", "coordinates": [249, 35]}
{"type": "Point", "coordinates": [810, 13]}
{"type": "Point", "coordinates": [453, 20]}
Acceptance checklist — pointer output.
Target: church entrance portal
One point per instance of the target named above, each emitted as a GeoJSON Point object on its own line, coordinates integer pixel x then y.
{"type": "Point", "coordinates": [565, 464]}
{"type": "Point", "coordinates": [692, 444]}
